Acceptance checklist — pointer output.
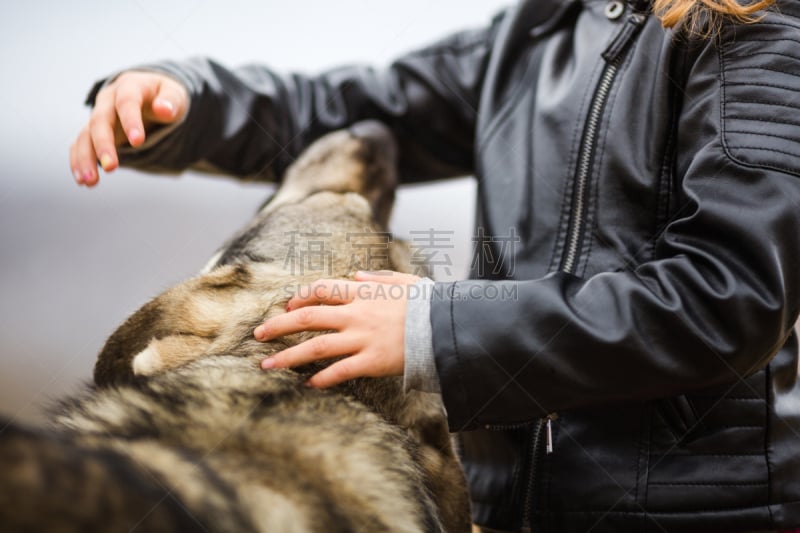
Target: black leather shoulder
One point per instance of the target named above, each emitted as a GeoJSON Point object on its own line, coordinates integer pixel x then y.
{"type": "Point", "coordinates": [789, 8]}
{"type": "Point", "coordinates": [760, 74]}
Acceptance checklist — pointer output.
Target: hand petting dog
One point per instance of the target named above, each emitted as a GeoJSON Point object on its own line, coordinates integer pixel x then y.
{"type": "Point", "coordinates": [367, 318]}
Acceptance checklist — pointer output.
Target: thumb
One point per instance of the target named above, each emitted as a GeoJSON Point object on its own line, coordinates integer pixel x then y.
{"type": "Point", "coordinates": [387, 276]}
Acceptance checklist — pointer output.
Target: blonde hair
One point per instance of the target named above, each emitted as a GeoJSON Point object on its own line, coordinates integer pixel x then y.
{"type": "Point", "coordinates": [703, 17]}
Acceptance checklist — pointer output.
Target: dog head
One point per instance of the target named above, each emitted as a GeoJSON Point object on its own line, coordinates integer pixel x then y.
{"type": "Point", "coordinates": [327, 220]}
{"type": "Point", "coordinates": [361, 160]}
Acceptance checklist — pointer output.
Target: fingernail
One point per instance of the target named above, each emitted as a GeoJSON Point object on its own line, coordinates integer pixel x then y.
{"type": "Point", "coordinates": [135, 135]}
{"type": "Point", "coordinates": [373, 273]}
{"type": "Point", "coordinates": [268, 363]}
{"type": "Point", "coordinates": [167, 104]}
{"type": "Point", "coordinates": [308, 384]}
{"type": "Point", "coordinates": [288, 307]}
{"type": "Point", "coordinates": [105, 161]}
{"type": "Point", "coordinates": [259, 333]}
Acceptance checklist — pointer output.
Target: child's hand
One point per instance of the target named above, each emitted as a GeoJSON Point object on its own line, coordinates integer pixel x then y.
{"type": "Point", "coordinates": [123, 112]}
{"type": "Point", "coordinates": [369, 318]}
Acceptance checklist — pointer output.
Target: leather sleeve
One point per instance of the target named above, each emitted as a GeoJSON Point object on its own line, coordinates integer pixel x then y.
{"type": "Point", "coordinates": [716, 302]}
{"type": "Point", "coordinates": [253, 122]}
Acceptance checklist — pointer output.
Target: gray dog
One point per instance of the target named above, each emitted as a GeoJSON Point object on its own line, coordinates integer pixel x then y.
{"type": "Point", "coordinates": [184, 432]}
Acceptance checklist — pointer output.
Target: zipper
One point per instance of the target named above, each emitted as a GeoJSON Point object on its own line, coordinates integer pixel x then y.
{"type": "Point", "coordinates": [542, 442]}
{"type": "Point", "coordinates": [613, 56]}
{"type": "Point", "coordinates": [535, 455]}
{"type": "Point", "coordinates": [542, 427]}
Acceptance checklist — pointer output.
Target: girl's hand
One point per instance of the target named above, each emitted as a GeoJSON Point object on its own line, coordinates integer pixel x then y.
{"type": "Point", "coordinates": [123, 112]}
{"type": "Point", "coordinates": [369, 318]}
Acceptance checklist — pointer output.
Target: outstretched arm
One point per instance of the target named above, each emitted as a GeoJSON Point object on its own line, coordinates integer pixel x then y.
{"type": "Point", "coordinates": [253, 122]}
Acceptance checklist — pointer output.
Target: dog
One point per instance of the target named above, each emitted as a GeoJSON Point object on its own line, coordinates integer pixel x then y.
{"type": "Point", "coordinates": [182, 431]}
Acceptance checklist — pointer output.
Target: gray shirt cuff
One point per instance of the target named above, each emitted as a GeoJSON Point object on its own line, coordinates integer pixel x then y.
{"type": "Point", "coordinates": [420, 367]}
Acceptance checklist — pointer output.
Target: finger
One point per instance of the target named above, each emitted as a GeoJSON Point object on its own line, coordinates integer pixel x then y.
{"type": "Point", "coordinates": [320, 347]}
{"type": "Point", "coordinates": [324, 291]}
{"type": "Point", "coordinates": [340, 371]}
{"type": "Point", "coordinates": [128, 103]}
{"type": "Point", "coordinates": [73, 163]}
{"type": "Point", "coordinates": [85, 158]}
{"type": "Point", "coordinates": [313, 318]}
{"type": "Point", "coordinates": [101, 129]}
{"type": "Point", "coordinates": [387, 276]}
{"type": "Point", "coordinates": [170, 101]}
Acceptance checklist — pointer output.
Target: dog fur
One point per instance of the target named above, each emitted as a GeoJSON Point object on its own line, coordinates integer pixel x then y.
{"type": "Point", "coordinates": [183, 431]}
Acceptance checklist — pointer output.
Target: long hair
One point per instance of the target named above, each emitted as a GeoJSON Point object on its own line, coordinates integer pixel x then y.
{"type": "Point", "coordinates": [703, 17]}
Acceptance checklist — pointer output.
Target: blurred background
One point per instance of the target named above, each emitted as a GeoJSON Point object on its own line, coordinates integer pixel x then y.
{"type": "Point", "coordinates": [76, 262]}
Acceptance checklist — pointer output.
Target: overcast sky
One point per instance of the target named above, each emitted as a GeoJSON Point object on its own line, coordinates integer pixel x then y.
{"type": "Point", "coordinates": [76, 262]}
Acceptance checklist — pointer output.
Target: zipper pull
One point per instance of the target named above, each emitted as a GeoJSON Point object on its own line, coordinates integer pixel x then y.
{"type": "Point", "coordinates": [549, 433]}
{"type": "Point", "coordinates": [625, 36]}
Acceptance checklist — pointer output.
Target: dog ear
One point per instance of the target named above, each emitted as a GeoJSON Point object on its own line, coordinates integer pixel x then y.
{"type": "Point", "coordinates": [114, 364]}
{"type": "Point", "coordinates": [171, 329]}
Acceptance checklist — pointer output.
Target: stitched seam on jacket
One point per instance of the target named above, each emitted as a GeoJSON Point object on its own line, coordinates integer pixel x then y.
{"type": "Point", "coordinates": [762, 148]}
{"type": "Point", "coordinates": [733, 398]}
{"type": "Point", "coordinates": [723, 133]}
{"type": "Point", "coordinates": [692, 454]}
{"type": "Point", "coordinates": [638, 463]}
{"type": "Point", "coordinates": [709, 483]}
{"type": "Point", "coordinates": [761, 84]}
{"type": "Point", "coordinates": [779, 54]}
{"type": "Point", "coordinates": [766, 444]}
{"type": "Point", "coordinates": [767, 120]}
{"type": "Point", "coordinates": [692, 512]}
{"type": "Point", "coordinates": [667, 171]}
{"type": "Point", "coordinates": [640, 444]}
{"type": "Point", "coordinates": [765, 102]}
{"type": "Point", "coordinates": [747, 399]}
{"type": "Point", "coordinates": [770, 69]}
{"type": "Point", "coordinates": [455, 347]}
{"type": "Point", "coordinates": [714, 428]}
{"type": "Point", "coordinates": [764, 165]}
{"type": "Point", "coordinates": [453, 329]}
{"type": "Point", "coordinates": [780, 39]}
{"type": "Point", "coordinates": [784, 137]}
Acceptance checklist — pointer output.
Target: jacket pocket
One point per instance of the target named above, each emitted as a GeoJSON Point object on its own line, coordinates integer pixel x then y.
{"type": "Point", "coordinates": [679, 417]}
{"type": "Point", "coordinates": [707, 451]}
{"type": "Point", "coordinates": [715, 421]}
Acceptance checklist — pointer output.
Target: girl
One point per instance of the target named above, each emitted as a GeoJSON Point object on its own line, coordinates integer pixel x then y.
{"type": "Point", "coordinates": [623, 358]}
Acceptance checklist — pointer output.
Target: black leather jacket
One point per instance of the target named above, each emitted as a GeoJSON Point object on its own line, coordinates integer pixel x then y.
{"type": "Point", "coordinates": [639, 207]}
